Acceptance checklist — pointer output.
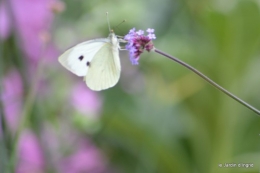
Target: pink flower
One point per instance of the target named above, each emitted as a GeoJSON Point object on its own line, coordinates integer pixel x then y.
{"type": "Point", "coordinates": [30, 156]}
{"type": "Point", "coordinates": [32, 18]}
{"type": "Point", "coordinates": [5, 22]}
{"type": "Point", "coordinates": [12, 98]}
{"type": "Point", "coordinates": [138, 42]}
{"type": "Point", "coordinates": [85, 101]}
{"type": "Point", "coordinates": [86, 158]}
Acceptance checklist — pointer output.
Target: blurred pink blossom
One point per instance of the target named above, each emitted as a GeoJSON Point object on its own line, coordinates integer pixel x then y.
{"type": "Point", "coordinates": [30, 156]}
{"type": "Point", "coordinates": [87, 158]}
{"type": "Point", "coordinates": [12, 98]}
{"type": "Point", "coordinates": [5, 22]}
{"type": "Point", "coordinates": [31, 19]}
{"type": "Point", "coordinates": [85, 101]}
{"type": "Point", "coordinates": [78, 153]}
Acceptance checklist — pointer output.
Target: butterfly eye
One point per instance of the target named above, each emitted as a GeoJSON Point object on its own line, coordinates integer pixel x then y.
{"type": "Point", "coordinates": [81, 57]}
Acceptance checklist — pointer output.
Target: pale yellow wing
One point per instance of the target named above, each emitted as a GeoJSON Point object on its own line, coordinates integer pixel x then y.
{"type": "Point", "coordinates": [104, 69]}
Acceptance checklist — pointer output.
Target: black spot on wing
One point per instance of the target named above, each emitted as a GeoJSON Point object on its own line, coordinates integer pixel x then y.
{"type": "Point", "coordinates": [88, 64]}
{"type": "Point", "coordinates": [81, 57]}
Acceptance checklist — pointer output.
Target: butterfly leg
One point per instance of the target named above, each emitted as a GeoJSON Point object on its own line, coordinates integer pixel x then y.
{"type": "Point", "coordinates": [122, 40]}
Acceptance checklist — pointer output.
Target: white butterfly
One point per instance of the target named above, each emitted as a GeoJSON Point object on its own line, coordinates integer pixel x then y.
{"type": "Point", "coordinates": [97, 60]}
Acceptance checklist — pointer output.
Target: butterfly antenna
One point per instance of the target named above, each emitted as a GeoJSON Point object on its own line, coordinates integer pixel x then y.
{"type": "Point", "coordinates": [117, 26]}
{"type": "Point", "coordinates": [108, 22]}
{"type": "Point", "coordinates": [121, 23]}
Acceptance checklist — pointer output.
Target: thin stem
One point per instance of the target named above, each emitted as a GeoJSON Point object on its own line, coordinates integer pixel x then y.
{"type": "Point", "coordinates": [208, 80]}
{"type": "Point", "coordinates": [3, 123]}
{"type": "Point", "coordinates": [30, 99]}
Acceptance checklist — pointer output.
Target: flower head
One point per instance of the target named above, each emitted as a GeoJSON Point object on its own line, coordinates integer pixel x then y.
{"type": "Point", "coordinates": [31, 28]}
{"type": "Point", "coordinates": [12, 98]}
{"type": "Point", "coordinates": [149, 30]}
{"type": "Point", "coordinates": [5, 21]}
{"type": "Point", "coordinates": [30, 154]}
{"type": "Point", "coordinates": [138, 42]}
{"type": "Point", "coordinates": [85, 158]}
{"type": "Point", "coordinates": [86, 101]}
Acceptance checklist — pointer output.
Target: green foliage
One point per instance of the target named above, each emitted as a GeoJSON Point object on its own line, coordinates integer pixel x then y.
{"type": "Point", "coordinates": [160, 117]}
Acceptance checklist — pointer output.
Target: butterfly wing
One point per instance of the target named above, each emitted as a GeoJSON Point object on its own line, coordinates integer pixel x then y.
{"type": "Point", "coordinates": [104, 70]}
{"type": "Point", "coordinates": [78, 58]}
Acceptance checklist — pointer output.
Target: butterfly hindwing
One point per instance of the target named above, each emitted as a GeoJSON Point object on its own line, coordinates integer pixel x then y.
{"type": "Point", "coordinates": [104, 69]}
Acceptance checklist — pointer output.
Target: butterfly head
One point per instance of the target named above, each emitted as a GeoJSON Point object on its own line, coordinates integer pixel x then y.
{"type": "Point", "coordinates": [113, 37]}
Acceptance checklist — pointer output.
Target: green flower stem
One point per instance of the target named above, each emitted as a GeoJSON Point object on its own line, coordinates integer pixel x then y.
{"type": "Point", "coordinates": [208, 80]}
{"type": "Point", "coordinates": [29, 101]}
{"type": "Point", "coordinates": [28, 105]}
{"type": "Point", "coordinates": [4, 127]}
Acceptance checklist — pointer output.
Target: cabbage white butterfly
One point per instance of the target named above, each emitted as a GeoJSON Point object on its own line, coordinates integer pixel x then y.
{"type": "Point", "coordinates": [97, 60]}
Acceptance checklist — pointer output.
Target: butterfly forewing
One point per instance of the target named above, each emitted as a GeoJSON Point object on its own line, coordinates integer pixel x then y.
{"type": "Point", "coordinates": [76, 59]}
{"type": "Point", "coordinates": [104, 69]}
{"type": "Point", "coordinates": [96, 60]}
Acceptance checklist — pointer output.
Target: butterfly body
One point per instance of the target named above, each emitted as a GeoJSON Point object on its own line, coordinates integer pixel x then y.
{"type": "Point", "coordinates": [97, 60]}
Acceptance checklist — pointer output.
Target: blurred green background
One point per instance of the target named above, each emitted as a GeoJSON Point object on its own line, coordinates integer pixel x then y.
{"type": "Point", "coordinates": [160, 117]}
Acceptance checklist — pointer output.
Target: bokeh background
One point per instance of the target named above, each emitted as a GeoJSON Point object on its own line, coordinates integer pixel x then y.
{"type": "Point", "coordinates": [159, 118]}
